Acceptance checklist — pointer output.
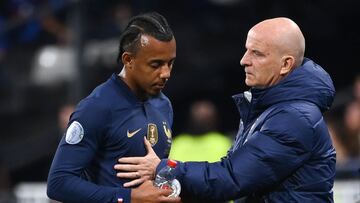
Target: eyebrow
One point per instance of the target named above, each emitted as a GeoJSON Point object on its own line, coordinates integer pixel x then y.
{"type": "Point", "coordinates": [156, 61]}
{"type": "Point", "coordinates": [160, 60]}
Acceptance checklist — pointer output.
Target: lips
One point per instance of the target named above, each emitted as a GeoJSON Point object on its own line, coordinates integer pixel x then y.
{"type": "Point", "coordinates": [248, 72]}
{"type": "Point", "coordinates": [159, 85]}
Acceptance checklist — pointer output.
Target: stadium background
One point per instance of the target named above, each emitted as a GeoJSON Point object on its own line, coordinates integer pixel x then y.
{"type": "Point", "coordinates": [54, 52]}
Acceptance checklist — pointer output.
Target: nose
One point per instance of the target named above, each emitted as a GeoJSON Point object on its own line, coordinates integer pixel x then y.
{"type": "Point", "coordinates": [165, 72]}
{"type": "Point", "coordinates": [244, 60]}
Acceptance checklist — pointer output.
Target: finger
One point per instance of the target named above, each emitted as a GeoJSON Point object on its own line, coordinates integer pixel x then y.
{"type": "Point", "coordinates": [130, 175]}
{"type": "Point", "coordinates": [130, 160]}
{"type": "Point", "coordinates": [126, 167]}
{"type": "Point", "coordinates": [133, 183]}
{"type": "Point", "coordinates": [148, 146]}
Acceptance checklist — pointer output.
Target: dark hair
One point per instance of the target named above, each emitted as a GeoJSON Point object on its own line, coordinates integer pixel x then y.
{"type": "Point", "coordinates": [152, 24]}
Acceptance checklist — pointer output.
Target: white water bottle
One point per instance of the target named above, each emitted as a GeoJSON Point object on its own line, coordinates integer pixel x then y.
{"type": "Point", "coordinates": [165, 179]}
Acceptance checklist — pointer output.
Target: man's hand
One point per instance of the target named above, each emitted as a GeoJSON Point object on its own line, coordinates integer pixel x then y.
{"type": "Point", "coordinates": [147, 193]}
{"type": "Point", "coordinates": [138, 168]}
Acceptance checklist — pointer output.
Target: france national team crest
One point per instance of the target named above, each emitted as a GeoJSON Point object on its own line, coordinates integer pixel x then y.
{"type": "Point", "coordinates": [168, 134]}
{"type": "Point", "coordinates": [74, 133]}
{"type": "Point", "coordinates": [152, 134]}
{"type": "Point", "coordinates": [167, 130]}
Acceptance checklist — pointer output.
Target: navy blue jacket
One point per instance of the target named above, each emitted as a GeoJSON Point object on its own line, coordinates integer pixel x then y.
{"type": "Point", "coordinates": [109, 124]}
{"type": "Point", "coordinates": [288, 155]}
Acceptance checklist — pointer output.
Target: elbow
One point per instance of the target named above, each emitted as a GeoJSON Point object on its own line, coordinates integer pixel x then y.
{"type": "Point", "coordinates": [53, 189]}
{"type": "Point", "coordinates": [50, 193]}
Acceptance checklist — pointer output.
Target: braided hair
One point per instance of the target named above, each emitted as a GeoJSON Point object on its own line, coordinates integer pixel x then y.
{"type": "Point", "coordinates": [152, 24]}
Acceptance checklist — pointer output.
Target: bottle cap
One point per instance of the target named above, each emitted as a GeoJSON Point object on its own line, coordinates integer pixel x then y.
{"type": "Point", "coordinates": [171, 163]}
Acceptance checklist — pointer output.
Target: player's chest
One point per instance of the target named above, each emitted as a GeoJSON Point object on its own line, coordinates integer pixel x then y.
{"type": "Point", "coordinates": [130, 126]}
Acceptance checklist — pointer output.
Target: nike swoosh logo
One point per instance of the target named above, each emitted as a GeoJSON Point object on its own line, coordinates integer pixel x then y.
{"type": "Point", "coordinates": [130, 134]}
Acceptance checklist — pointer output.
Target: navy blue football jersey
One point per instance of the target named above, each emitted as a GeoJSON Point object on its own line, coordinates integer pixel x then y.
{"type": "Point", "coordinates": [108, 124]}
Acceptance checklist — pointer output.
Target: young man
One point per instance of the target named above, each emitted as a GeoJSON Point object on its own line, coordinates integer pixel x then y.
{"type": "Point", "coordinates": [283, 151]}
{"type": "Point", "coordinates": [116, 117]}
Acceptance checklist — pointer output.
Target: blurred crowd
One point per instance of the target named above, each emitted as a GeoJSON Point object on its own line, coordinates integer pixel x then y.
{"type": "Point", "coordinates": [53, 52]}
{"type": "Point", "coordinates": [344, 127]}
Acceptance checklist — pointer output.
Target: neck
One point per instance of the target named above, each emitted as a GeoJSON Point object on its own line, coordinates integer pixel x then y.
{"type": "Point", "coordinates": [122, 74]}
{"type": "Point", "coordinates": [140, 95]}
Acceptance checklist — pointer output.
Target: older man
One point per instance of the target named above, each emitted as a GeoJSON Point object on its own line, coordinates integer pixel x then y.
{"type": "Point", "coordinates": [283, 151]}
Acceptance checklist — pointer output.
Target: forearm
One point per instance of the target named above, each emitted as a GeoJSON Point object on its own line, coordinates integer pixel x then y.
{"type": "Point", "coordinates": [70, 188]}
{"type": "Point", "coordinates": [256, 166]}
{"type": "Point", "coordinates": [65, 182]}
{"type": "Point", "coordinates": [208, 181]}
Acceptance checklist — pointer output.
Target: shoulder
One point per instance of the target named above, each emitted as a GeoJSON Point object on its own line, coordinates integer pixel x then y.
{"type": "Point", "coordinates": [92, 111]}
{"type": "Point", "coordinates": [296, 113]}
{"type": "Point", "coordinates": [93, 105]}
{"type": "Point", "coordinates": [105, 92]}
{"type": "Point", "coordinates": [292, 122]}
{"type": "Point", "coordinates": [107, 96]}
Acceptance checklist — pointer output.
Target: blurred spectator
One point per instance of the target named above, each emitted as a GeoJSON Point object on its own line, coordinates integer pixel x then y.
{"type": "Point", "coordinates": [63, 118]}
{"type": "Point", "coordinates": [344, 127]}
{"type": "Point", "coordinates": [202, 141]}
{"type": "Point", "coordinates": [101, 45]}
{"type": "Point", "coordinates": [356, 89]}
{"type": "Point", "coordinates": [352, 121]}
{"type": "Point", "coordinates": [112, 17]}
{"type": "Point", "coordinates": [25, 26]}
{"type": "Point", "coordinates": [27, 22]}
{"type": "Point", "coordinates": [352, 127]}
{"type": "Point", "coordinates": [39, 169]}
{"type": "Point", "coordinates": [339, 142]}
{"type": "Point", "coordinates": [29, 159]}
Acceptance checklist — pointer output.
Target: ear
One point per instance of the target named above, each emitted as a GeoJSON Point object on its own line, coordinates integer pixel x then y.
{"type": "Point", "coordinates": [287, 64]}
{"type": "Point", "coordinates": [126, 59]}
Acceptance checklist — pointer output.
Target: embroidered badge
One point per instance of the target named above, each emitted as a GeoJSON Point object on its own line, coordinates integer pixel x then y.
{"type": "Point", "coordinates": [167, 130]}
{"type": "Point", "coordinates": [74, 133]}
{"type": "Point", "coordinates": [152, 134]}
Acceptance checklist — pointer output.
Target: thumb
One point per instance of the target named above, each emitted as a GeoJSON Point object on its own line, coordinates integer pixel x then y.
{"type": "Point", "coordinates": [148, 146]}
